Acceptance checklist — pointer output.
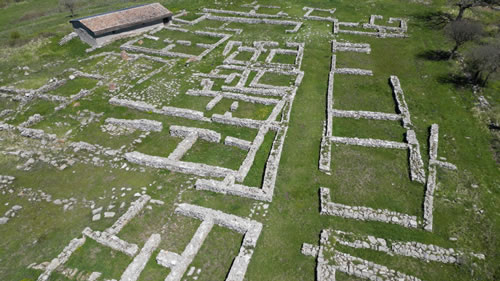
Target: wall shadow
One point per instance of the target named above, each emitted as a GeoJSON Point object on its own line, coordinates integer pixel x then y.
{"type": "Point", "coordinates": [434, 19]}
{"type": "Point", "coordinates": [434, 55]}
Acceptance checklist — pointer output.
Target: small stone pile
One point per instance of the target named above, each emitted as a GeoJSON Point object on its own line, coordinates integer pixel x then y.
{"type": "Point", "coordinates": [12, 212]}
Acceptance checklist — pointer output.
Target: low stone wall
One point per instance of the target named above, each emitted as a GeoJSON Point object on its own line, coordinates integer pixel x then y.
{"type": "Point", "coordinates": [177, 166]}
{"type": "Point", "coordinates": [425, 252]}
{"type": "Point", "coordinates": [232, 188]}
{"type": "Point", "coordinates": [35, 134]}
{"type": "Point", "coordinates": [325, 153]}
{"type": "Point", "coordinates": [205, 134]}
{"type": "Point", "coordinates": [431, 180]}
{"type": "Point", "coordinates": [369, 142]}
{"type": "Point", "coordinates": [443, 164]}
{"type": "Point", "coordinates": [77, 146]}
{"type": "Point", "coordinates": [132, 212]}
{"type": "Point", "coordinates": [6, 112]}
{"type": "Point", "coordinates": [135, 268]}
{"type": "Point", "coordinates": [32, 120]}
{"type": "Point", "coordinates": [365, 115]}
{"type": "Point", "coordinates": [183, 147]}
{"type": "Point", "coordinates": [238, 13]}
{"type": "Point", "coordinates": [138, 105]}
{"type": "Point", "coordinates": [183, 113]}
{"type": "Point", "coordinates": [296, 25]}
{"type": "Point", "coordinates": [193, 22]}
{"type": "Point", "coordinates": [73, 98]}
{"type": "Point", "coordinates": [354, 71]}
{"type": "Point", "coordinates": [137, 124]}
{"type": "Point", "coordinates": [256, 91]}
{"type": "Point", "coordinates": [239, 122]}
{"type": "Point", "coordinates": [329, 260]}
{"type": "Point", "coordinates": [229, 47]}
{"type": "Point", "coordinates": [179, 263]}
{"type": "Point", "coordinates": [350, 47]}
{"type": "Point", "coordinates": [368, 270]}
{"type": "Point", "coordinates": [111, 241]}
{"type": "Point", "coordinates": [213, 102]}
{"type": "Point", "coordinates": [68, 38]}
{"type": "Point", "coordinates": [363, 213]}
{"type": "Point", "coordinates": [417, 172]}
{"type": "Point", "coordinates": [166, 110]}
{"type": "Point", "coordinates": [243, 144]}
{"type": "Point", "coordinates": [400, 101]}
{"type": "Point", "coordinates": [62, 258]}
{"type": "Point", "coordinates": [309, 11]}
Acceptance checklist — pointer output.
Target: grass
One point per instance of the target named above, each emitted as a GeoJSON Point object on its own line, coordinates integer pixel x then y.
{"type": "Point", "coordinates": [276, 79]}
{"type": "Point", "coordinates": [38, 107]}
{"type": "Point", "coordinates": [362, 128]}
{"type": "Point", "coordinates": [364, 177]}
{"type": "Point", "coordinates": [360, 93]}
{"type": "Point", "coordinates": [377, 178]}
{"type": "Point", "coordinates": [210, 153]}
{"type": "Point", "coordinates": [283, 58]}
{"type": "Point", "coordinates": [68, 89]}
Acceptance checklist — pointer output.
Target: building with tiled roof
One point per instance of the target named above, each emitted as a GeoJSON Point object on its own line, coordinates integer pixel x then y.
{"type": "Point", "coordinates": [100, 29]}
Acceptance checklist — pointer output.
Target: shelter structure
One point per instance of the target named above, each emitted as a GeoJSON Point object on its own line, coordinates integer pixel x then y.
{"type": "Point", "coordinates": [101, 29]}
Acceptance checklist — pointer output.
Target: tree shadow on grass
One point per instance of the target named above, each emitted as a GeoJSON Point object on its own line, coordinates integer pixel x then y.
{"type": "Point", "coordinates": [434, 55]}
{"type": "Point", "coordinates": [458, 80]}
{"type": "Point", "coordinates": [435, 19]}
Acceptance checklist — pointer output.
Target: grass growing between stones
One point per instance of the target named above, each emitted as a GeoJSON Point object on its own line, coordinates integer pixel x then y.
{"type": "Point", "coordinates": [362, 128]}
{"type": "Point", "coordinates": [215, 154]}
{"type": "Point", "coordinates": [373, 175]}
{"type": "Point", "coordinates": [41, 107]}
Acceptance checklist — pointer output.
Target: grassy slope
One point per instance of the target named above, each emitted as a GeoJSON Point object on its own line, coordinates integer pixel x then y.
{"type": "Point", "coordinates": [293, 217]}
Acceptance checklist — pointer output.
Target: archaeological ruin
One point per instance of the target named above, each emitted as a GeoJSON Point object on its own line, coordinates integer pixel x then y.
{"type": "Point", "coordinates": [244, 140]}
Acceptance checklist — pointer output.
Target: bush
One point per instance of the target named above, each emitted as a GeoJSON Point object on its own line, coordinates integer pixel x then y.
{"type": "Point", "coordinates": [462, 31]}
{"type": "Point", "coordinates": [14, 35]}
{"type": "Point", "coordinates": [482, 61]}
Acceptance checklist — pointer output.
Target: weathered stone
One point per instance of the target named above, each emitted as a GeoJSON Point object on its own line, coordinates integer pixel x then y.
{"type": "Point", "coordinates": [179, 263]}
{"type": "Point", "coordinates": [363, 213]}
{"type": "Point", "coordinates": [135, 268]}
{"type": "Point", "coordinates": [62, 258]}
{"type": "Point", "coordinates": [111, 241]}
{"type": "Point", "coordinates": [139, 124]}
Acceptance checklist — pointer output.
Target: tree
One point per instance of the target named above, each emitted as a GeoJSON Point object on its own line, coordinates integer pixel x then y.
{"type": "Point", "coordinates": [462, 31]}
{"type": "Point", "coordinates": [69, 5]}
{"type": "Point", "coordinates": [467, 4]}
{"type": "Point", "coordinates": [482, 61]}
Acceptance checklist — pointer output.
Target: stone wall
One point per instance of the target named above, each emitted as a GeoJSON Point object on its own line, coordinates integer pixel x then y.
{"type": "Point", "coordinates": [369, 142]}
{"type": "Point", "coordinates": [363, 213]}
{"type": "Point", "coordinates": [135, 268]}
{"type": "Point", "coordinates": [62, 258]}
{"type": "Point", "coordinates": [205, 134]}
{"type": "Point", "coordinates": [137, 124]}
{"type": "Point", "coordinates": [178, 264]}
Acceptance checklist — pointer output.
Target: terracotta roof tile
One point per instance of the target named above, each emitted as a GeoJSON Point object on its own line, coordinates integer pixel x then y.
{"type": "Point", "coordinates": [108, 22]}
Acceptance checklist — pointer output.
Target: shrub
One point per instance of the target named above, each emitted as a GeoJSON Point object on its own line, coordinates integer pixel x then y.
{"type": "Point", "coordinates": [14, 35]}
{"type": "Point", "coordinates": [482, 61]}
{"type": "Point", "coordinates": [462, 31]}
